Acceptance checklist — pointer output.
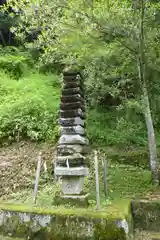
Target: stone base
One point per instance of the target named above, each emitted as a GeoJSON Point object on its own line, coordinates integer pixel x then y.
{"type": "Point", "coordinates": [73, 200]}
{"type": "Point", "coordinates": [72, 185]}
{"type": "Point", "coordinates": [26, 222]}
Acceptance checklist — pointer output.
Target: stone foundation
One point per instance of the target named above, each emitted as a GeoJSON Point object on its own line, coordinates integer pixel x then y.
{"type": "Point", "coordinates": [146, 215]}
{"type": "Point", "coordinates": [61, 223]}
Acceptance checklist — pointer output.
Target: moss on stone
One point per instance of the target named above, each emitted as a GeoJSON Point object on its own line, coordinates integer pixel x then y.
{"type": "Point", "coordinates": [76, 202]}
{"type": "Point", "coordinates": [146, 214]}
{"type": "Point", "coordinates": [63, 224]}
{"type": "Point", "coordinates": [108, 231]}
{"type": "Point", "coordinates": [102, 231]}
{"type": "Point", "coordinates": [111, 212]}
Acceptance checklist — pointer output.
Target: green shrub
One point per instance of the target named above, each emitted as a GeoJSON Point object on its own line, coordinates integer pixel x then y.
{"type": "Point", "coordinates": [29, 107]}
{"type": "Point", "coordinates": [106, 127]}
{"type": "Point", "coordinates": [14, 61]}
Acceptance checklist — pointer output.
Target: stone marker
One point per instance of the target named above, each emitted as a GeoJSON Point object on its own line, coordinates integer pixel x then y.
{"type": "Point", "coordinates": [71, 161]}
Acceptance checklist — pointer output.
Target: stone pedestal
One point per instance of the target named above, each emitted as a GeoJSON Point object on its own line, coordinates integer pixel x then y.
{"type": "Point", "coordinates": [71, 162]}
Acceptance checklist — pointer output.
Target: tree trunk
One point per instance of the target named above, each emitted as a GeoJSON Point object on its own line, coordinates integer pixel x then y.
{"type": "Point", "coordinates": [142, 67]}
{"type": "Point", "coordinates": [151, 138]}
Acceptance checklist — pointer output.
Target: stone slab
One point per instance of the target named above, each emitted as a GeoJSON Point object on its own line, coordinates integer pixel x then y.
{"type": "Point", "coordinates": [24, 221]}
{"type": "Point", "coordinates": [73, 139]}
{"type": "Point", "coordinates": [72, 79]}
{"type": "Point", "coordinates": [72, 113]}
{"type": "Point", "coordinates": [77, 201]}
{"type": "Point", "coordinates": [72, 98]}
{"type": "Point", "coordinates": [72, 106]}
{"type": "Point", "coordinates": [70, 91]}
{"type": "Point", "coordinates": [71, 121]}
{"type": "Point", "coordinates": [146, 214]}
{"type": "Point", "coordinates": [67, 160]}
{"type": "Point", "coordinates": [146, 235]}
{"type": "Point", "coordinates": [71, 149]}
{"type": "Point", "coordinates": [77, 81]}
{"type": "Point", "coordinates": [72, 185]}
{"type": "Point", "coordinates": [73, 171]}
{"type": "Point", "coordinates": [67, 85]}
{"type": "Point", "coordinates": [74, 160]}
{"type": "Point", "coordinates": [71, 72]}
{"type": "Point", "coordinates": [72, 130]}
{"type": "Point", "coordinates": [72, 75]}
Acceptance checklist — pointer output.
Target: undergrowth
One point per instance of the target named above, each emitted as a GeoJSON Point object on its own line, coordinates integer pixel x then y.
{"type": "Point", "coordinates": [29, 107]}
{"type": "Point", "coordinates": [108, 128]}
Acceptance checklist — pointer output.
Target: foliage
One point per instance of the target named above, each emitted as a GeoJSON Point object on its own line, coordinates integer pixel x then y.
{"type": "Point", "coordinates": [7, 20]}
{"type": "Point", "coordinates": [29, 107]}
{"type": "Point", "coordinates": [109, 128]}
{"type": "Point", "coordinates": [15, 61]}
{"type": "Point", "coordinates": [102, 36]}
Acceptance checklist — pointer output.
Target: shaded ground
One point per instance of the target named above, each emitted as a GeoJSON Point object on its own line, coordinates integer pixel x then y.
{"type": "Point", "coordinates": [18, 166]}
{"type": "Point", "coordinates": [143, 235]}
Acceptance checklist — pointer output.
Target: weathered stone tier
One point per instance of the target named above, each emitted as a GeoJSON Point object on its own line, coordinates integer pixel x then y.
{"type": "Point", "coordinates": [70, 78]}
{"type": "Point", "coordinates": [72, 130]}
{"type": "Point", "coordinates": [72, 149]}
{"type": "Point", "coordinates": [74, 163]}
{"type": "Point", "coordinates": [74, 171]}
{"type": "Point", "coordinates": [73, 139]}
{"type": "Point", "coordinates": [70, 91]}
{"type": "Point", "coordinates": [71, 122]}
{"type": "Point", "coordinates": [68, 85]}
{"type": "Point", "coordinates": [72, 98]}
{"type": "Point", "coordinates": [74, 160]}
{"type": "Point", "coordinates": [72, 106]}
{"type": "Point", "coordinates": [72, 113]}
{"type": "Point", "coordinates": [70, 72]}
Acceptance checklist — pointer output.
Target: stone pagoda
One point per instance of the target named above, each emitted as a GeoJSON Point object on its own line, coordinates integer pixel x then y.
{"type": "Point", "coordinates": [71, 161]}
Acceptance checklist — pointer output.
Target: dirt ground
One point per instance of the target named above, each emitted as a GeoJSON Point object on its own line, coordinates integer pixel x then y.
{"type": "Point", "coordinates": [18, 165]}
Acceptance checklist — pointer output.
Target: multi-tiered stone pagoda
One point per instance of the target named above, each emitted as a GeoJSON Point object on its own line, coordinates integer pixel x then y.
{"type": "Point", "coordinates": [71, 161]}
